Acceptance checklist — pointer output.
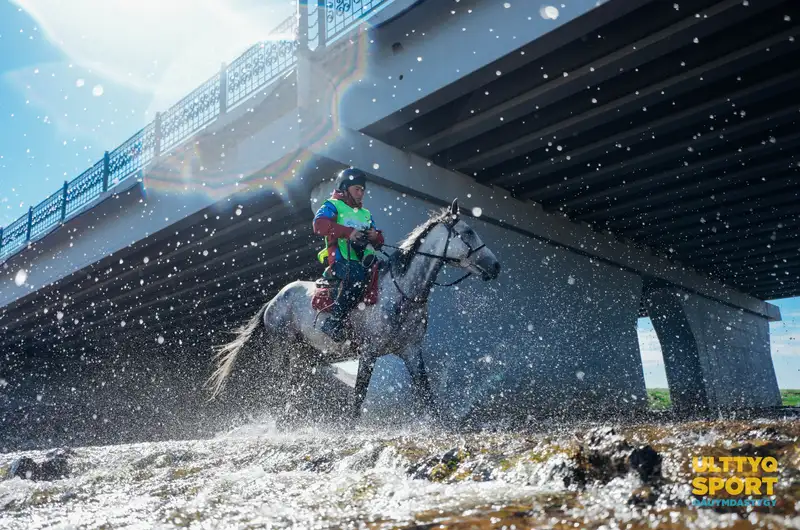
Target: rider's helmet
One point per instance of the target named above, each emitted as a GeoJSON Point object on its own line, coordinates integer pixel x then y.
{"type": "Point", "coordinates": [350, 177]}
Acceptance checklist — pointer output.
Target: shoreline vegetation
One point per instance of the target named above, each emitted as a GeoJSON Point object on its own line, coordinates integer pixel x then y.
{"type": "Point", "coordinates": [658, 398]}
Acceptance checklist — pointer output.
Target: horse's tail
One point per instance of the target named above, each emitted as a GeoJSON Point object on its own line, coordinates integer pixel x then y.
{"type": "Point", "coordinates": [226, 354]}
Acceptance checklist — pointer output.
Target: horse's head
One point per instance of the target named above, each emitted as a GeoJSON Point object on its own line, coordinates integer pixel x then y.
{"type": "Point", "coordinates": [466, 250]}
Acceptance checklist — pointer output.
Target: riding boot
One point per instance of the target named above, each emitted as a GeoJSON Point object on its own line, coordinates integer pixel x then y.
{"type": "Point", "coordinates": [334, 328]}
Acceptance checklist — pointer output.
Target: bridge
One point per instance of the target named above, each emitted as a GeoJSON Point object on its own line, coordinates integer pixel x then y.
{"type": "Point", "coordinates": [632, 158]}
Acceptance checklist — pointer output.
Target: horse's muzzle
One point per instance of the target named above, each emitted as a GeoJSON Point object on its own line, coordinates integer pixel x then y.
{"type": "Point", "coordinates": [491, 272]}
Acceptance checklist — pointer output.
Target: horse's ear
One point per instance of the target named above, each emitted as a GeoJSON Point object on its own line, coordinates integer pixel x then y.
{"type": "Point", "coordinates": [454, 207]}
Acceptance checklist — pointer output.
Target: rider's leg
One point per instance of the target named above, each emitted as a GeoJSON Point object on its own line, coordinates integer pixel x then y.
{"type": "Point", "coordinates": [353, 281]}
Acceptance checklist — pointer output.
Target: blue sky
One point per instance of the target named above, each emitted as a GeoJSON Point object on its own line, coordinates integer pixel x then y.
{"type": "Point", "coordinates": [79, 77]}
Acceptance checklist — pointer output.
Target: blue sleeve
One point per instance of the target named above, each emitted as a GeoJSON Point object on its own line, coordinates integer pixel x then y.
{"type": "Point", "coordinates": [327, 210]}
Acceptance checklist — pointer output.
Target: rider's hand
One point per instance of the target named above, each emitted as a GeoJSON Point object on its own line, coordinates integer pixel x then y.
{"type": "Point", "coordinates": [356, 236]}
{"type": "Point", "coordinates": [371, 234]}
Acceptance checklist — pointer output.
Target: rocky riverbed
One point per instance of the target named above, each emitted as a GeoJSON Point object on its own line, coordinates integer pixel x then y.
{"type": "Point", "coordinates": [590, 476]}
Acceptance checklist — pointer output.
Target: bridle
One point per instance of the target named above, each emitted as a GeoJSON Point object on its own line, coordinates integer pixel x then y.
{"type": "Point", "coordinates": [451, 230]}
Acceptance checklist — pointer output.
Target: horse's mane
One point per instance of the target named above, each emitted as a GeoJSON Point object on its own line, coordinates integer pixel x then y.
{"type": "Point", "coordinates": [400, 259]}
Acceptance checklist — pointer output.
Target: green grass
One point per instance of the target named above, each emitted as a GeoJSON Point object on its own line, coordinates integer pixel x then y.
{"type": "Point", "coordinates": [659, 398]}
{"type": "Point", "coordinates": [791, 398]}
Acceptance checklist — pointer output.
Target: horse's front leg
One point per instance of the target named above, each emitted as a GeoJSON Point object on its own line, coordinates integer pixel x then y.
{"type": "Point", "coordinates": [420, 383]}
{"type": "Point", "coordinates": [366, 363]}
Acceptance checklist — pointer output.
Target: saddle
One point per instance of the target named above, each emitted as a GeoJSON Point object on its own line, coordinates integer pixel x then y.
{"type": "Point", "coordinates": [326, 289]}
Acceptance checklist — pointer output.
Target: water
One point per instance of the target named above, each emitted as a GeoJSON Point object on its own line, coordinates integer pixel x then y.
{"type": "Point", "coordinates": [416, 477]}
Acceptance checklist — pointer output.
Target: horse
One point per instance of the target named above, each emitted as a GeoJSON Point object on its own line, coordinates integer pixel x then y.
{"type": "Point", "coordinates": [395, 324]}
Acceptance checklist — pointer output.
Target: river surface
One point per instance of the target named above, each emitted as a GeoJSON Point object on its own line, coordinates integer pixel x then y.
{"type": "Point", "coordinates": [256, 477]}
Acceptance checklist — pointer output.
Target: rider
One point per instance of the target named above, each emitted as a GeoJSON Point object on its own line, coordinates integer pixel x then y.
{"type": "Point", "coordinates": [347, 227]}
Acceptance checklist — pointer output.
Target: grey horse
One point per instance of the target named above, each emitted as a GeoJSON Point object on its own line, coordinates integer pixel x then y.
{"type": "Point", "coordinates": [396, 324]}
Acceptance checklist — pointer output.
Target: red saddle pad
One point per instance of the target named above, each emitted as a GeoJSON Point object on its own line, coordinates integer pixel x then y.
{"type": "Point", "coordinates": [324, 295]}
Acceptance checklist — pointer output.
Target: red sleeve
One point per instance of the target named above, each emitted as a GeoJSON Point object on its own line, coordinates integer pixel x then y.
{"type": "Point", "coordinates": [379, 239]}
{"type": "Point", "coordinates": [327, 227]}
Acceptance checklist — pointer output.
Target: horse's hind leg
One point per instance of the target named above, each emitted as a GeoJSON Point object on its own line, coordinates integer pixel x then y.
{"type": "Point", "coordinates": [295, 387]}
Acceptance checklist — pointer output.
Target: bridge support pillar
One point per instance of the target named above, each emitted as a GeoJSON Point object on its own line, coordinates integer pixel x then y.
{"type": "Point", "coordinates": [716, 357]}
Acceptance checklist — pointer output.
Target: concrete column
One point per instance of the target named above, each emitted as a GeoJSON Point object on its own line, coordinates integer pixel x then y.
{"type": "Point", "coordinates": [716, 357]}
{"type": "Point", "coordinates": [554, 335]}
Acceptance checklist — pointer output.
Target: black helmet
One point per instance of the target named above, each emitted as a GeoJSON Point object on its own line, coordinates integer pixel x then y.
{"type": "Point", "coordinates": [350, 177]}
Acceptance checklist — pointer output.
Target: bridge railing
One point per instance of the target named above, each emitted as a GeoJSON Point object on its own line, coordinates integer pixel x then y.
{"type": "Point", "coordinates": [258, 67]}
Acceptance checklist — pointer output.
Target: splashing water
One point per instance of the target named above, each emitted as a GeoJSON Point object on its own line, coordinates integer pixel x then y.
{"type": "Point", "coordinates": [254, 476]}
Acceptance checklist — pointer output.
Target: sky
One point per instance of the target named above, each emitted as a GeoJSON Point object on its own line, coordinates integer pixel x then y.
{"type": "Point", "coordinates": [78, 77]}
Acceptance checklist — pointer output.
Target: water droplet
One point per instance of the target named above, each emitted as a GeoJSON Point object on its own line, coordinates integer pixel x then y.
{"type": "Point", "coordinates": [97, 90]}
{"type": "Point", "coordinates": [477, 211]}
{"type": "Point", "coordinates": [549, 12]}
{"type": "Point", "coordinates": [21, 277]}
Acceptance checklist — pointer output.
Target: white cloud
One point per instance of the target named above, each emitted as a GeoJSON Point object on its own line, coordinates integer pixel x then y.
{"type": "Point", "coordinates": [164, 48]}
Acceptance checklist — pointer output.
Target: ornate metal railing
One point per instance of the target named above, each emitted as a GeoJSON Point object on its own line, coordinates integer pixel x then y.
{"type": "Point", "coordinates": [47, 214]}
{"type": "Point", "coordinates": [85, 188]}
{"type": "Point", "coordinates": [262, 64]}
{"type": "Point", "coordinates": [15, 235]}
{"type": "Point", "coordinates": [258, 67]}
{"type": "Point", "coordinates": [191, 114]}
{"type": "Point", "coordinates": [343, 15]}
{"type": "Point", "coordinates": [133, 155]}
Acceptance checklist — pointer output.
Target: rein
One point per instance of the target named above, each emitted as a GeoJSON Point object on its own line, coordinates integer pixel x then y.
{"type": "Point", "coordinates": [447, 259]}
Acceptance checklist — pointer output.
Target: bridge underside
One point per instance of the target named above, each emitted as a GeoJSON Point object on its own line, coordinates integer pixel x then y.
{"type": "Point", "coordinates": [672, 128]}
{"type": "Point", "coordinates": [208, 271]}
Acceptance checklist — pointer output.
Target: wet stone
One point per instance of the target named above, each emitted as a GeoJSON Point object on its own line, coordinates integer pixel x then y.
{"type": "Point", "coordinates": [54, 467]}
{"type": "Point", "coordinates": [646, 462]}
{"type": "Point", "coordinates": [606, 455]}
{"type": "Point", "coordinates": [23, 467]}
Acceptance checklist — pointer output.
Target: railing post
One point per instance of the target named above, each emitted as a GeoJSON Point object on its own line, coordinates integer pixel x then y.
{"type": "Point", "coordinates": [302, 23]}
{"type": "Point", "coordinates": [64, 202]}
{"type": "Point", "coordinates": [322, 22]}
{"type": "Point", "coordinates": [30, 224]}
{"type": "Point", "coordinates": [106, 170]}
{"type": "Point", "coordinates": [157, 134]}
{"type": "Point", "coordinates": [223, 89]}
{"type": "Point", "coordinates": [1, 240]}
